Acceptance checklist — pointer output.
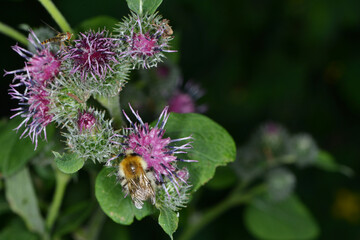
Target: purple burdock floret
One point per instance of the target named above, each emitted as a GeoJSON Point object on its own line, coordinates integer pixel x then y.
{"type": "Point", "coordinates": [181, 103]}
{"type": "Point", "coordinates": [158, 152]}
{"type": "Point", "coordinates": [39, 70]}
{"type": "Point", "coordinates": [93, 53]}
{"type": "Point", "coordinates": [86, 121]}
{"type": "Point", "coordinates": [33, 107]}
{"type": "Point", "coordinates": [184, 98]}
{"type": "Point", "coordinates": [144, 45]}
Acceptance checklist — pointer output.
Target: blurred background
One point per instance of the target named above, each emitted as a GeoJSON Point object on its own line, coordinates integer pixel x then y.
{"type": "Point", "coordinates": [293, 62]}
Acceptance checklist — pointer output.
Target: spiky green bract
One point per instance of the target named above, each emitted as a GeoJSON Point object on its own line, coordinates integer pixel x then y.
{"type": "Point", "coordinates": [143, 39]}
{"type": "Point", "coordinates": [98, 143]}
{"type": "Point", "coordinates": [111, 85]}
{"type": "Point", "coordinates": [67, 99]}
{"type": "Point", "coordinates": [172, 199]}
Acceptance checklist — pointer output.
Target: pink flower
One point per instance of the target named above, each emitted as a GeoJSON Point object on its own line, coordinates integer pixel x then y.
{"type": "Point", "coordinates": [39, 70]}
{"type": "Point", "coordinates": [158, 152]}
{"type": "Point", "coordinates": [86, 121]}
{"type": "Point", "coordinates": [94, 54]}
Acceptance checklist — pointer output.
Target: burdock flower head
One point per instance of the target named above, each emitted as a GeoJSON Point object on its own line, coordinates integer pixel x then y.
{"type": "Point", "coordinates": [91, 136]}
{"type": "Point", "coordinates": [184, 99]}
{"type": "Point", "coordinates": [144, 39]}
{"type": "Point", "coordinates": [39, 70]}
{"type": "Point", "coordinates": [159, 163]}
{"type": "Point", "coordinates": [93, 54]}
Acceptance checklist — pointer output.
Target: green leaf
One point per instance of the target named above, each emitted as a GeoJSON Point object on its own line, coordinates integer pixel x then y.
{"type": "Point", "coordinates": [225, 177]}
{"type": "Point", "coordinates": [21, 196]}
{"type": "Point", "coordinates": [68, 162]}
{"type": "Point", "coordinates": [212, 146]}
{"type": "Point", "coordinates": [73, 217]}
{"type": "Point", "coordinates": [326, 162]}
{"type": "Point", "coordinates": [15, 152]}
{"type": "Point", "coordinates": [143, 6]}
{"type": "Point", "coordinates": [111, 199]}
{"type": "Point", "coordinates": [98, 22]}
{"type": "Point", "coordinates": [16, 230]}
{"type": "Point", "coordinates": [168, 220]}
{"type": "Point", "coordinates": [4, 206]}
{"type": "Point", "coordinates": [288, 219]}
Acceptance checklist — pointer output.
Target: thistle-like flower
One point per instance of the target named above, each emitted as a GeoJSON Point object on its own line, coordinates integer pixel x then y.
{"type": "Point", "coordinates": [144, 39]}
{"type": "Point", "coordinates": [92, 137]}
{"type": "Point", "coordinates": [95, 61]}
{"type": "Point", "coordinates": [184, 99]}
{"type": "Point", "coordinates": [39, 70]}
{"type": "Point", "coordinates": [159, 155]}
{"type": "Point", "coordinates": [93, 54]}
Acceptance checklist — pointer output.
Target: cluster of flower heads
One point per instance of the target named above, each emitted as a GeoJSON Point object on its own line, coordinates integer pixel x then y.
{"type": "Point", "coordinates": [56, 83]}
{"type": "Point", "coordinates": [159, 154]}
{"type": "Point", "coordinates": [29, 87]}
{"type": "Point", "coordinates": [53, 84]}
{"type": "Point", "coordinates": [268, 153]}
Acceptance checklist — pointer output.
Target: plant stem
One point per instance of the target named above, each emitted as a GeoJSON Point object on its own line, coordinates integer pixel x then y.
{"type": "Point", "coordinates": [56, 15]}
{"type": "Point", "coordinates": [95, 225]}
{"type": "Point", "coordinates": [237, 197]}
{"type": "Point", "coordinates": [62, 180]}
{"type": "Point", "coordinates": [12, 33]}
{"type": "Point", "coordinates": [112, 104]}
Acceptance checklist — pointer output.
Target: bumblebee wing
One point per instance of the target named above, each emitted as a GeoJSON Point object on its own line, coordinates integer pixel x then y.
{"type": "Point", "coordinates": [140, 190]}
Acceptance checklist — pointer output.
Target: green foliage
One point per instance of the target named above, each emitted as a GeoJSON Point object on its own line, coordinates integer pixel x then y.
{"type": "Point", "coordinates": [15, 152]}
{"type": "Point", "coordinates": [287, 219]}
{"type": "Point", "coordinates": [15, 230]}
{"type": "Point", "coordinates": [224, 177]}
{"type": "Point", "coordinates": [68, 162]}
{"type": "Point", "coordinates": [326, 162]}
{"type": "Point", "coordinates": [112, 201]}
{"type": "Point", "coordinates": [73, 217]}
{"type": "Point", "coordinates": [143, 6]}
{"type": "Point", "coordinates": [212, 147]}
{"type": "Point", "coordinates": [21, 196]}
{"type": "Point", "coordinates": [168, 220]}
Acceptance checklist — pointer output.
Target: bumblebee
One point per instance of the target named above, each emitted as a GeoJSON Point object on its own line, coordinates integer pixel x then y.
{"type": "Point", "coordinates": [136, 179]}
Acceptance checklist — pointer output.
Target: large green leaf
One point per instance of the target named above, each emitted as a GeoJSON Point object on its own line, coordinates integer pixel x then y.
{"type": "Point", "coordinates": [68, 162]}
{"type": "Point", "coordinates": [22, 199]}
{"type": "Point", "coordinates": [111, 199]}
{"type": "Point", "coordinates": [15, 152]}
{"type": "Point", "coordinates": [143, 6]}
{"type": "Point", "coordinates": [212, 146]}
{"type": "Point", "coordinates": [287, 219]}
{"type": "Point", "coordinates": [168, 220]}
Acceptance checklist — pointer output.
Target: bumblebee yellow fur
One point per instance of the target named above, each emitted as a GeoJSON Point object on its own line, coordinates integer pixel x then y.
{"type": "Point", "coordinates": [136, 180]}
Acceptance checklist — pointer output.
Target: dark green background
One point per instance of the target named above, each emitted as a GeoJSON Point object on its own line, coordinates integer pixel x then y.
{"type": "Point", "coordinates": [294, 62]}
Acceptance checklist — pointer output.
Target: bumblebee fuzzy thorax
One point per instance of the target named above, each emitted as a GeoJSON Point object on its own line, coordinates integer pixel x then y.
{"type": "Point", "coordinates": [136, 180]}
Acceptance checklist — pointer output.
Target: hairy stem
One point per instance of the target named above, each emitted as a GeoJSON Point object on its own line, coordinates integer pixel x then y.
{"type": "Point", "coordinates": [62, 180]}
{"type": "Point", "coordinates": [236, 198]}
{"type": "Point", "coordinates": [56, 15]}
{"type": "Point", "coordinates": [12, 33]}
